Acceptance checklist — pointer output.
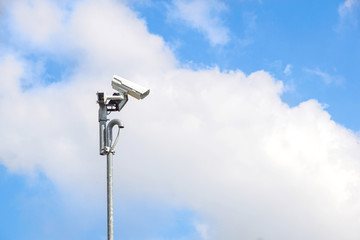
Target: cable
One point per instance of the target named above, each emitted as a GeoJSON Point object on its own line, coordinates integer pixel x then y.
{"type": "Point", "coordinates": [116, 140]}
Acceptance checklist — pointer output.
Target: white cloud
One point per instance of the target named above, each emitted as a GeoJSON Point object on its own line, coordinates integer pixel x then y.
{"type": "Point", "coordinates": [203, 230]}
{"type": "Point", "coordinates": [36, 20]}
{"type": "Point", "coordinates": [203, 16]}
{"type": "Point", "coordinates": [326, 77]}
{"type": "Point", "coordinates": [347, 7]}
{"type": "Point", "coordinates": [287, 70]}
{"type": "Point", "coordinates": [347, 13]}
{"type": "Point", "coordinates": [220, 143]}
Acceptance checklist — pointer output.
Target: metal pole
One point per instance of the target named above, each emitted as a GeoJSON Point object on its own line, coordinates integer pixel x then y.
{"type": "Point", "coordinates": [110, 218]}
{"type": "Point", "coordinates": [110, 152]}
{"type": "Point", "coordinates": [109, 104]}
{"type": "Point", "coordinates": [102, 122]}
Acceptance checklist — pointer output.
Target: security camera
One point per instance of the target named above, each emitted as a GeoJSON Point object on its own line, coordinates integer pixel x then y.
{"type": "Point", "coordinates": [127, 87]}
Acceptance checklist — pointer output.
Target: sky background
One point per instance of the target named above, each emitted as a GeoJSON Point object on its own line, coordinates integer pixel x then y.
{"type": "Point", "coordinates": [250, 130]}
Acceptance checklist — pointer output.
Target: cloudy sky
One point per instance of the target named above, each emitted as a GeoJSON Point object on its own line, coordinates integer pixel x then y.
{"type": "Point", "coordinates": [250, 130]}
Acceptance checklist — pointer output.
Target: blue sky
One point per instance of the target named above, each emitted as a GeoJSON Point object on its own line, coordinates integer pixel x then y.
{"type": "Point", "coordinates": [250, 130]}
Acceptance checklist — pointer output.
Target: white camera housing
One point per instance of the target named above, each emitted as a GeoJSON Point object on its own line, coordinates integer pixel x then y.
{"type": "Point", "coordinates": [127, 87]}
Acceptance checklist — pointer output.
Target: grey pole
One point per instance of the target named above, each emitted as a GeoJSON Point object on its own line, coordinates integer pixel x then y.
{"type": "Point", "coordinates": [107, 148]}
{"type": "Point", "coordinates": [110, 212]}
{"type": "Point", "coordinates": [110, 151]}
{"type": "Point", "coordinates": [108, 104]}
{"type": "Point", "coordinates": [102, 122]}
{"type": "Point", "coordinates": [102, 128]}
